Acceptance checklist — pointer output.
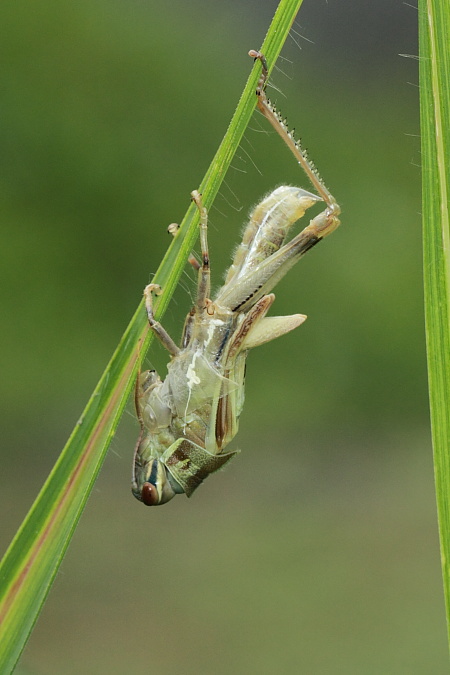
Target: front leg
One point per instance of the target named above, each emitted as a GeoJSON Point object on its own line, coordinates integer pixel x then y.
{"type": "Point", "coordinates": [162, 335]}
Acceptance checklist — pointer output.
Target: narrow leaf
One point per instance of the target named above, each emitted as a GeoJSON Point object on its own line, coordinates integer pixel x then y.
{"type": "Point", "coordinates": [32, 560]}
{"type": "Point", "coordinates": [434, 35]}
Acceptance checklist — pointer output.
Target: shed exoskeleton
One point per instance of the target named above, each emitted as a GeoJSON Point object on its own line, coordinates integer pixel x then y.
{"type": "Point", "coordinates": [188, 419]}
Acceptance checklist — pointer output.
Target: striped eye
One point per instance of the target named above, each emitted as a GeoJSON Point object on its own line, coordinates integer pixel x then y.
{"type": "Point", "coordinates": [149, 495]}
{"type": "Point", "coordinates": [156, 488]}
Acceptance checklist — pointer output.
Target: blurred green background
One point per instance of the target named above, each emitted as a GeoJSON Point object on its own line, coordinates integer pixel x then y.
{"type": "Point", "coordinates": [316, 550]}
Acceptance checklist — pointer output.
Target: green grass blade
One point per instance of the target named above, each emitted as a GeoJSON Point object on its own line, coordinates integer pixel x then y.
{"type": "Point", "coordinates": [31, 562]}
{"type": "Point", "coordinates": [434, 16]}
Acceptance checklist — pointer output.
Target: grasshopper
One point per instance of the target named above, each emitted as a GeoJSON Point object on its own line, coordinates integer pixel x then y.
{"type": "Point", "coordinates": [188, 419]}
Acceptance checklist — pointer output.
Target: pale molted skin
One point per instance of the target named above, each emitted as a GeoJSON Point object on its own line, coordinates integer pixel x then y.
{"type": "Point", "coordinates": [188, 419]}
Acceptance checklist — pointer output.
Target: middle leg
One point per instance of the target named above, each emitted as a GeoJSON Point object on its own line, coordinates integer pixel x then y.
{"type": "Point", "coordinates": [204, 273]}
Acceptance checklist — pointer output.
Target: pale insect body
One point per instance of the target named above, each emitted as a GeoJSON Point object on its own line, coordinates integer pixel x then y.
{"type": "Point", "coordinates": [188, 419]}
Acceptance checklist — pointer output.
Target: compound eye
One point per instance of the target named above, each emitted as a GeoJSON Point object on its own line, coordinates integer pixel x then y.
{"type": "Point", "coordinates": [149, 495]}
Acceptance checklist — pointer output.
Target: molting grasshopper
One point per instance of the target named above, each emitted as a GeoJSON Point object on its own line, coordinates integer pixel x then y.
{"type": "Point", "coordinates": [188, 419]}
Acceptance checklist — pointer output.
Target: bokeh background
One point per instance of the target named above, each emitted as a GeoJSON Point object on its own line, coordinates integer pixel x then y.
{"type": "Point", "coordinates": [316, 550]}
